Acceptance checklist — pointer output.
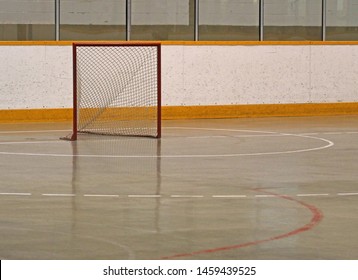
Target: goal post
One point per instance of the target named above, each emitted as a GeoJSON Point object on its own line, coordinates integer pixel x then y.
{"type": "Point", "coordinates": [116, 89]}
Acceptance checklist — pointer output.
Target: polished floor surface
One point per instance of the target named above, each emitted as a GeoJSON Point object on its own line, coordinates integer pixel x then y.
{"type": "Point", "coordinates": [255, 189]}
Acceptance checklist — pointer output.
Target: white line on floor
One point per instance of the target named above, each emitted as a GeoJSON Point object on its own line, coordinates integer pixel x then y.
{"type": "Point", "coordinates": [261, 135]}
{"type": "Point", "coordinates": [347, 194]}
{"type": "Point", "coordinates": [144, 195]}
{"type": "Point", "coordinates": [328, 133]}
{"type": "Point", "coordinates": [58, 194]}
{"type": "Point", "coordinates": [217, 129]}
{"type": "Point", "coordinates": [20, 194]}
{"type": "Point", "coordinates": [32, 131]}
{"type": "Point", "coordinates": [229, 196]}
{"type": "Point", "coordinates": [32, 142]}
{"type": "Point", "coordinates": [205, 137]}
{"type": "Point", "coordinates": [101, 195]}
{"type": "Point", "coordinates": [313, 194]}
{"type": "Point", "coordinates": [178, 196]}
{"type": "Point", "coordinates": [186, 196]}
{"type": "Point", "coordinates": [327, 145]}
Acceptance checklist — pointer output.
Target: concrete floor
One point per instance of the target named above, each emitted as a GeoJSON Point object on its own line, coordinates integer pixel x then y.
{"type": "Point", "coordinates": [255, 189]}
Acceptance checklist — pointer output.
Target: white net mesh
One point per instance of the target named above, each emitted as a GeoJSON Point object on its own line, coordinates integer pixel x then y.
{"type": "Point", "coordinates": [117, 89]}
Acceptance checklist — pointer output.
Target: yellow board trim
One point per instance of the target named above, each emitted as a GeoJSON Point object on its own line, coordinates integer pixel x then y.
{"type": "Point", "coordinates": [35, 115]}
{"type": "Point", "coordinates": [199, 112]}
{"type": "Point", "coordinates": [184, 43]}
{"type": "Point", "coordinates": [262, 110]}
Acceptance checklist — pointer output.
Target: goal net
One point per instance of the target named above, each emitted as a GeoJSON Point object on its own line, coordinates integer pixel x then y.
{"type": "Point", "coordinates": [116, 89]}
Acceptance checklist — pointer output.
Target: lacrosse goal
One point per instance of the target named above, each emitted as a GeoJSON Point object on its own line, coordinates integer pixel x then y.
{"type": "Point", "coordinates": [116, 89]}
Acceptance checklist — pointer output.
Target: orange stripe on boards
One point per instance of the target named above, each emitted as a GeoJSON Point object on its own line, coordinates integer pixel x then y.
{"type": "Point", "coordinates": [262, 110]}
{"type": "Point", "coordinates": [184, 43]}
{"type": "Point", "coordinates": [258, 43]}
{"type": "Point", "coordinates": [200, 112]}
{"type": "Point", "coordinates": [35, 115]}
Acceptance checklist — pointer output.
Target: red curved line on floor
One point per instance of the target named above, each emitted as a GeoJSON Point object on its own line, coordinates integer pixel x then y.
{"type": "Point", "coordinates": [317, 216]}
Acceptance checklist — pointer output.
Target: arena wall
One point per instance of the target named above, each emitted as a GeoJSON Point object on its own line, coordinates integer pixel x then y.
{"type": "Point", "coordinates": [199, 79]}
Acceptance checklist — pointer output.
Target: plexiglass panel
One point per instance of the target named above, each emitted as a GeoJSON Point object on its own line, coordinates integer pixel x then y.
{"type": "Point", "coordinates": [93, 20]}
{"type": "Point", "coordinates": [292, 20]}
{"type": "Point", "coordinates": [229, 20]}
{"type": "Point", "coordinates": [27, 20]}
{"type": "Point", "coordinates": [342, 20]}
{"type": "Point", "coordinates": [162, 20]}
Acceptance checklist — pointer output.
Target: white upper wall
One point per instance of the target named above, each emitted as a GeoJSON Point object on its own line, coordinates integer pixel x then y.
{"type": "Point", "coordinates": [35, 77]}
{"type": "Point", "coordinates": [41, 76]}
{"type": "Point", "coordinates": [176, 12]}
{"type": "Point", "coordinates": [210, 75]}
